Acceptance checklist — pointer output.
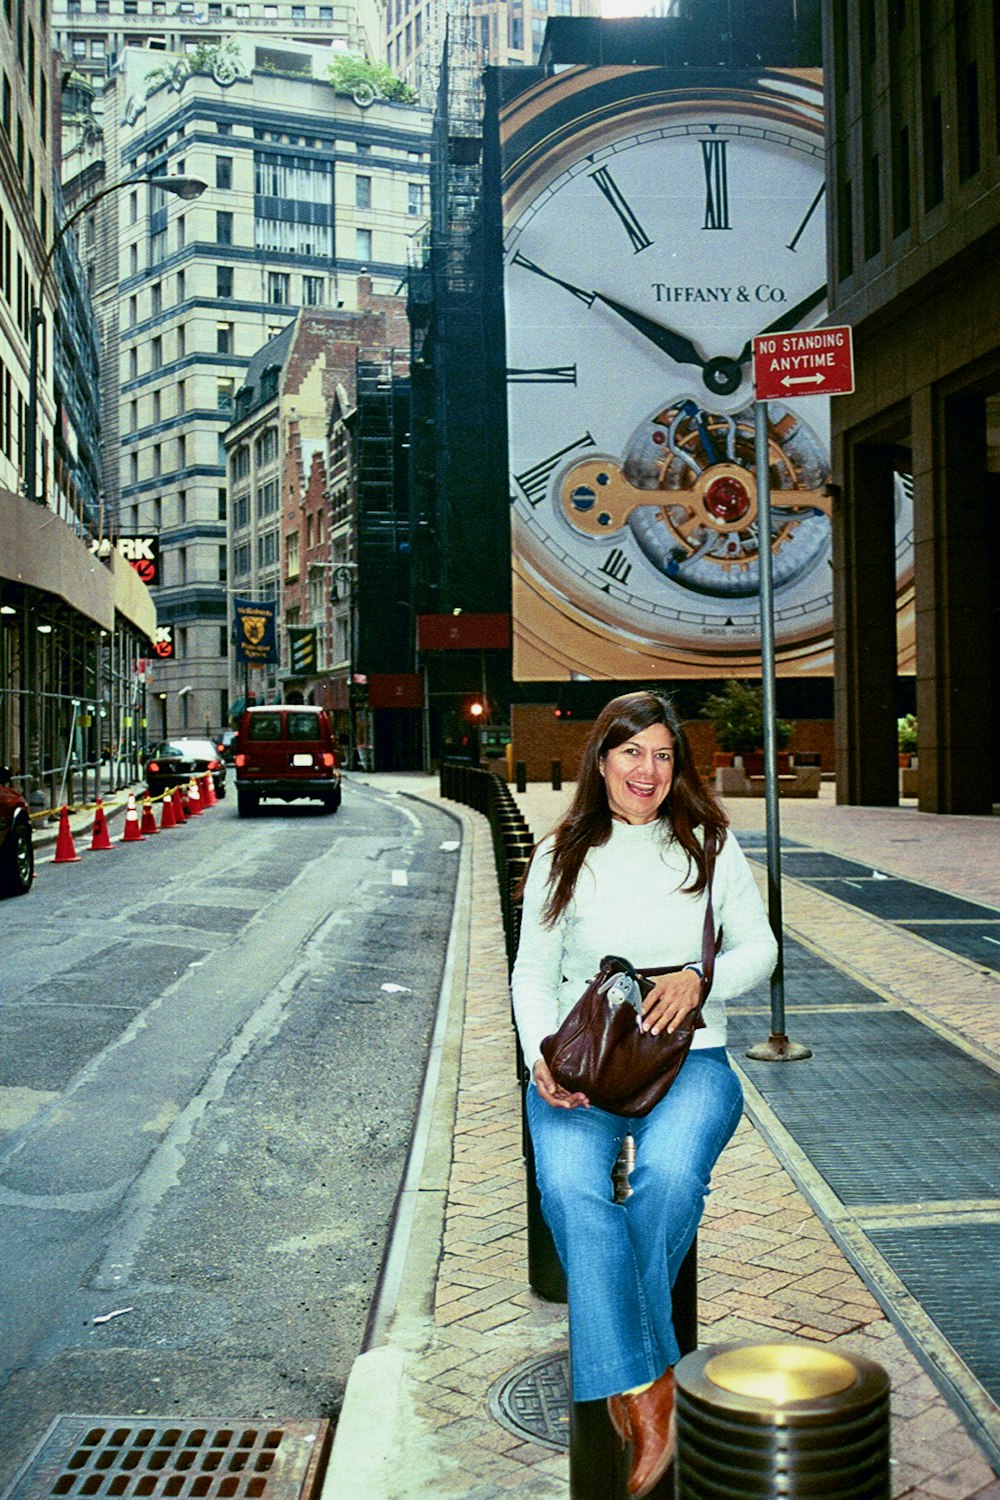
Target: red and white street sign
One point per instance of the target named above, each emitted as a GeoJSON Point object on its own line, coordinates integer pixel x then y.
{"type": "Point", "coordinates": [814, 362]}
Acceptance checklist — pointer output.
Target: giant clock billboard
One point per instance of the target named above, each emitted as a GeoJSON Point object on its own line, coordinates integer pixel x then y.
{"type": "Point", "coordinates": [650, 232]}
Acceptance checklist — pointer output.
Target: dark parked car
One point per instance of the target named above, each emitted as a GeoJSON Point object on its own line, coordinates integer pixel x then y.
{"type": "Point", "coordinates": [17, 856]}
{"type": "Point", "coordinates": [225, 743]}
{"type": "Point", "coordinates": [172, 762]}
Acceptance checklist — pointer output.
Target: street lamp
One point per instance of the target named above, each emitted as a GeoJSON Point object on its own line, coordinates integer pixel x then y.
{"type": "Point", "coordinates": [182, 187]}
{"type": "Point", "coordinates": [343, 574]}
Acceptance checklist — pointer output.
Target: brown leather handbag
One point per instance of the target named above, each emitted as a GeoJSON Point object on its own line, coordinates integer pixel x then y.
{"type": "Point", "coordinates": [599, 1049]}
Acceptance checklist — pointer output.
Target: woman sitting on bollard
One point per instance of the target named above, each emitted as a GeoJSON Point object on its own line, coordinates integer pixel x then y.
{"type": "Point", "coordinates": [625, 873]}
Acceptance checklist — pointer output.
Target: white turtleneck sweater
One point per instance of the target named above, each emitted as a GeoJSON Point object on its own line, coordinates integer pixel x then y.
{"type": "Point", "coordinates": [628, 901]}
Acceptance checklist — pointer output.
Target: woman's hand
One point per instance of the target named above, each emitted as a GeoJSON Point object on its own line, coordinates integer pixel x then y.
{"type": "Point", "coordinates": [552, 1092]}
{"type": "Point", "coordinates": [672, 997]}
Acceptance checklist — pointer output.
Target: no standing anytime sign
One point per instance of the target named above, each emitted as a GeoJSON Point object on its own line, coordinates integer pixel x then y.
{"type": "Point", "coordinates": [816, 362]}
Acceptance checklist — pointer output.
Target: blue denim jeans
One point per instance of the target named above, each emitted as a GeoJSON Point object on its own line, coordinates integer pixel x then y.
{"type": "Point", "coordinates": [621, 1260]}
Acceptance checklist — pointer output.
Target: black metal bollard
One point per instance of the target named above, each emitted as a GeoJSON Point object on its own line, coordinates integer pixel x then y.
{"type": "Point", "coordinates": [557, 775]}
{"type": "Point", "coordinates": [521, 773]}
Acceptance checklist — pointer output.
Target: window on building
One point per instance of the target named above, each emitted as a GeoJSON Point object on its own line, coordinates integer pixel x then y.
{"type": "Point", "coordinates": [901, 181]}
{"type": "Point", "coordinates": [414, 197]}
{"type": "Point", "coordinates": [133, 311]}
{"type": "Point", "coordinates": [181, 341]}
{"type": "Point", "coordinates": [933, 153]}
{"type": "Point", "coordinates": [182, 507]}
{"type": "Point", "coordinates": [223, 338]}
{"type": "Point", "coordinates": [224, 388]}
{"type": "Point", "coordinates": [157, 512]}
{"type": "Point", "coordinates": [157, 460]}
{"type": "Point", "coordinates": [133, 468]}
{"type": "Point", "coordinates": [326, 12]}
{"type": "Point", "coordinates": [133, 364]}
{"type": "Point", "coordinates": [79, 47]}
{"type": "Point", "coordinates": [278, 287]}
{"type": "Point", "coordinates": [157, 247]}
{"type": "Point", "coordinates": [270, 12]}
{"type": "Point", "coordinates": [180, 286]}
{"type": "Point", "coordinates": [98, 49]}
{"type": "Point", "coordinates": [241, 463]}
{"type": "Point", "coordinates": [157, 403]}
{"type": "Point", "coordinates": [133, 208]}
{"type": "Point", "coordinates": [156, 298]}
{"type": "Point", "coordinates": [313, 290]}
{"type": "Point", "coordinates": [267, 549]}
{"type": "Point", "coordinates": [223, 171]}
{"type": "Point", "coordinates": [241, 512]}
{"type": "Point", "coordinates": [223, 227]}
{"type": "Point", "coordinates": [182, 576]}
{"type": "Point", "coordinates": [292, 554]}
{"type": "Point", "coordinates": [156, 354]}
{"type": "Point", "coordinates": [363, 192]}
{"type": "Point", "coordinates": [181, 459]}
{"type": "Point", "coordinates": [133, 260]}
{"type": "Point", "coordinates": [267, 498]}
{"type": "Point", "coordinates": [241, 560]}
{"type": "Point", "coordinates": [223, 127]}
{"type": "Point", "coordinates": [266, 447]}
{"type": "Point", "coordinates": [363, 245]}
{"type": "Point", "coordinates": [223, 565]}
{"type": "Point", "coordinates": [221, 509]}
{"type": "Point", "coordinates": [223, 281]}
{"type": "Point", "coordinates": [181, 397]}
{"type": "Point", "coordinates": [133, 416]}
{"type": "Point", "coordinates": [181, 232]}
{"type": "Point", "coordinates": [298, 12]}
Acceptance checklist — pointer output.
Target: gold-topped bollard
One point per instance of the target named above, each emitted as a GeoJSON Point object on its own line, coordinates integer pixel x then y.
{"type": "Point", "coordinates": [782, 1421]}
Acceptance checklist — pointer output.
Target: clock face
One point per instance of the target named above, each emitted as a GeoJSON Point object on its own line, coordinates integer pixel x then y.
{"type": "Point", "coordinates": [641, 257]}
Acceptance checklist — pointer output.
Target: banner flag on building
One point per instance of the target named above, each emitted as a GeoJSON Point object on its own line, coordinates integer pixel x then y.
{"type": "Point", "coordinates": [302, 650]}
{"type": "Point", "coordinates": [256, 632]}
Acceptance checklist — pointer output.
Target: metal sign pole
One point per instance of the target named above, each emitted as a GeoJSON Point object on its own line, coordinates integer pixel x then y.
{"type": "Point", "coordinates": [777, 1048]}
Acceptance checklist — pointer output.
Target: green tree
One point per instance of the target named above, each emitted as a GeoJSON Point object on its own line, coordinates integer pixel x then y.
{"type": "Point", "coordinates": [737, 715]}
{"type": "Point", "coordinates": [366, 81]}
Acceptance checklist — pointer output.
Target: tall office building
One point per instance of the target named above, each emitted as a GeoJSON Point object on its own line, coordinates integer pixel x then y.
{"type": "Point", "coordinates": [306, 191]}
{"type": "Point", "coordinates": [71, 632]}
{"type": "Point", "coordinates": [504, 32]}
{"type": "Point", "coordinates": [94, 35]}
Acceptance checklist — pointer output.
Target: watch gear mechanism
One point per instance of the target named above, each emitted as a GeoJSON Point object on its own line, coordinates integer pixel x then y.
{"type": "Point", "coordinates": [703, 531]}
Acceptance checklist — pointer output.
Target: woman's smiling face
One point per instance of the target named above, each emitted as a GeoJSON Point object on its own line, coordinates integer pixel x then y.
{"type": "Point", "coordinates": [638, 774]}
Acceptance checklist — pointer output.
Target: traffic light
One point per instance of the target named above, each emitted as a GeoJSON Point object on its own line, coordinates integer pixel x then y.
{"type": "Point", "coordinates": [562, 713]}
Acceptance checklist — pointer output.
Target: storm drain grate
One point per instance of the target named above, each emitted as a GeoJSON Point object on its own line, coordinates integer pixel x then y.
{"type": "Point", "coordinates": [165, 1459]}
{"type": "Point", "coordinates": [951, 1270]}
{"type": "Point", "coordinates": [978, 941]}
{"type": "Point", "coordinates": [533, 1401]}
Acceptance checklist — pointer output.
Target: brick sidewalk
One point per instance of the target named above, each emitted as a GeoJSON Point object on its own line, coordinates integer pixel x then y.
{"type": "Point", "coordinates": [767, 1265]}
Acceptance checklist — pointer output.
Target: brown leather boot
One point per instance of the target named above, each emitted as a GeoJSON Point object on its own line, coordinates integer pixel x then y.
{"type": "Point", "coordinates": [646, 1419]}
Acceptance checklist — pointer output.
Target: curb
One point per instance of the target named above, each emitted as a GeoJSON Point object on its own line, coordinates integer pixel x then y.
{"type": "Point", "coordinates": [361, 1461]}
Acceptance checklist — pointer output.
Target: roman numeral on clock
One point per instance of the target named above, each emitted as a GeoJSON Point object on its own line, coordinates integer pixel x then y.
{"type": "Point", "coordinates": [713, 158]}
{"type": "Point", "coordinates": [617, 566]}
{"type": "Point", "coordinates": [534, 482]}
{"type": "Point", "coordinates": [638, 238]}
{"type": "Point", "coordinates": [545, 375]}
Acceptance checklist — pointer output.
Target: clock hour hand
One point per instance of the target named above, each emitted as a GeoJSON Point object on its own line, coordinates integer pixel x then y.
{"type": "Point", "coordinates": [676, 345]}
{"type": "Point", "coordinates": [787, 321]}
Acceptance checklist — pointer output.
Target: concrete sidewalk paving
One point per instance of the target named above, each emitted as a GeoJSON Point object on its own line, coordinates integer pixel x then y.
{"type": "Point", "coordinates": [457, 1314]}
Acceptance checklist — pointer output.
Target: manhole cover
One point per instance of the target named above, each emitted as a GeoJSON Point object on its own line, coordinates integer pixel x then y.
{"type": "Point", "coordinates": [533, 1401]}
{"type": "Point", "coordinates": [156, 1457]}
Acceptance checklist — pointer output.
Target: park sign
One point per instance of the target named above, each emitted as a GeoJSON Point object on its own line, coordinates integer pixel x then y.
{"type": "Point", "coordinates": [809, 362]}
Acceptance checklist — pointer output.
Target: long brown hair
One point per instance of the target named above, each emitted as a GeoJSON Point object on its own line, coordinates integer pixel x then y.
{"type": "Point", "coordinates": [587, 825]}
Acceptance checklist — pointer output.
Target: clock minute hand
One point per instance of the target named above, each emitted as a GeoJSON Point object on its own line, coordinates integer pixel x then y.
{"type": "Point", "coordinates": [676, 345]}
{"type": "Point", "coordinates": [787, 321]}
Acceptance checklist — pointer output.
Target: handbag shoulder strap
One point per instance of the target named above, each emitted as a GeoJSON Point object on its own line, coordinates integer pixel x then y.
{"type": "Point", "coordinates": [708, 930]}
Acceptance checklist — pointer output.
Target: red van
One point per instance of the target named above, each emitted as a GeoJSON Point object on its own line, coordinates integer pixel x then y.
{"type": "Point", "coordinates": [285, 750]}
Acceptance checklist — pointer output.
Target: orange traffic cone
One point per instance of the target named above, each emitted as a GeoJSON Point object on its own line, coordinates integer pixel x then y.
{"type": "Point", "coordinates": [208, 790]}
{"type": "Point", "coordinates": [181, 793]}
{"type": "Point", "coordinates": [130, 833]}
{"type": "Point", "coordinates": [148, 824]}
{"type": "Point", "coordinates": [101, 838]}
{"type": "Point", "coordinates": [167, 819]}
{"type": "Point", "coordinates": [194, 796]}
{"type": "Point", "coordinates": [65, 848]}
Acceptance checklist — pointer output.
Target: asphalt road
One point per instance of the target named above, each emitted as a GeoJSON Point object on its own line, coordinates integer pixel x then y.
{"type": "Point", "coordinates": [206, 1096]}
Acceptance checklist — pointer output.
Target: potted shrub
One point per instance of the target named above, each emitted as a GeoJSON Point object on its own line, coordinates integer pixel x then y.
{"type": "Point", "coordinates": [906, 730]}
{"type": "Point", "coordinates": [737, 716]}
